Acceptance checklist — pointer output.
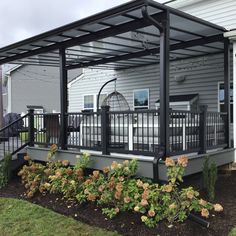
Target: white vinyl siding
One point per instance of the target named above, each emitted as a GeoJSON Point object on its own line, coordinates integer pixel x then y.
{"type": "Point", "coordinates": [220, 12]}
{"type": "Point", "coordinates": [201, 77]}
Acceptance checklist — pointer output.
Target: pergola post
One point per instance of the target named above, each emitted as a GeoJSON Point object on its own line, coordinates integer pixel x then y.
{"type": "Point", "coordinates": [164, 87]}
{"type": "Point", "coordinates": [63, 98]}
{"type": "Point", "coordinates": [227, 88]}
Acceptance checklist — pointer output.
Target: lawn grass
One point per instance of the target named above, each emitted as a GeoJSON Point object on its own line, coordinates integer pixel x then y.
{"type": "Point", "coordinates": [233, 232]}
{"type": "Point", "coordinates": [18, 217]}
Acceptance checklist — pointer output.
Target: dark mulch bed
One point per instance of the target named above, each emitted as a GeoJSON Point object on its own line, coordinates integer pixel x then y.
{"type": "Point", "coordinates": [130, 224]}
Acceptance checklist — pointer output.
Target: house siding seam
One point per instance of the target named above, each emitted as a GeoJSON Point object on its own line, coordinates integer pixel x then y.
{"type": "Point", "coordinates": [202, 77]}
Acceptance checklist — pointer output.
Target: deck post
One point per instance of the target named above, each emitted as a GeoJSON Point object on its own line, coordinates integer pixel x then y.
{"type": "Point", "coordinates": [31, 127]}
{"type": "Point", "coordinates": [203, 130]}
{"type": "Point", "coordinates": [105, 130]}
{"type": "Point", "coordinates": [227, 89]}
{"type": "Point", "coordinates": [164, 87]}
{"type": "Point", "coordinates": [63, 97]}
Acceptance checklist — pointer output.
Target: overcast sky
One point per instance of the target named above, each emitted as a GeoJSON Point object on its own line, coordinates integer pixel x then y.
{"type": "Point", "coordinates": [21, 19]}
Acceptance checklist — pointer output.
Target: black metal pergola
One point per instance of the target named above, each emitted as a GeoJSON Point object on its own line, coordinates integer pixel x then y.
{"type": "Point", "coordinates": [138, 33]}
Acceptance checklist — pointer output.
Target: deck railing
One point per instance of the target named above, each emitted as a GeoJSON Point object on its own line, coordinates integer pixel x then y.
{"type": "Point", "coordinates": [15, 136]}
{"type": "Point", "coordinates": [184, 131]}
{"type": "Point", "coordinates": [134, 132]}
{"type": "Point", "coordinates": [216, 129]}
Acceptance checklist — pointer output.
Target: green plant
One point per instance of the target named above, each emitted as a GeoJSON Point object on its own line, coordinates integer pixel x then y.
{"type": "Point", "coordinates": [117, 189]}
{"type": "Point", "coordinates": [66, 179]}
{"type": "Point", "coordinates": [23, 218]}
{"type": "Point", "coordinates": [5, 170]}
{"type": "Point", "coordinates": [24, 136]}
{"type": "Point", "coordinates": [209, 177]}
{"type": "Point", "coordinates": [41, 137]}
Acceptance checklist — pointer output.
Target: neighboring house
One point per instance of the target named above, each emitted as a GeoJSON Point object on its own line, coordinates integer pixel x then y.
{"type": "Point", "coordinates": [35, 87]}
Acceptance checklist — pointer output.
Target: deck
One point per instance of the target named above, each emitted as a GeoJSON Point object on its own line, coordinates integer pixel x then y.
{"type": "Point", "coordinates": [99, 161]}
{"type": "Point", "coordinates": [135, 132]}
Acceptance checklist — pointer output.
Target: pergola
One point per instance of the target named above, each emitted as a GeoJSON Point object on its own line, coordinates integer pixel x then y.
{"type": "Point", "coordinates": [135, 34]}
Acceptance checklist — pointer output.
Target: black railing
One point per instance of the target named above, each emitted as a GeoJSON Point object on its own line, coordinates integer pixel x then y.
{"type": "Point", "coordinates": [46, 129]}
{"type": "Point", "coordinates": [15, 136]}
{"type": "Point", "coordinates": [216, 129]}
{"type": "Point", "coordinates": [84, 130]}
{"type": "Point", "coordinates": [184, 132]}
{"type": "Point", "coordinates": [133, 132]}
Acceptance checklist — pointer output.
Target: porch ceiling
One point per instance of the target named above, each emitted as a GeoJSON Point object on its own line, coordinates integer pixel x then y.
{"type": "Point", "coordinates": [118, 38]}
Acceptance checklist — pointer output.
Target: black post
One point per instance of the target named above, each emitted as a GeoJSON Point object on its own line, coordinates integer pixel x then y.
{"type": "Point", "coordinates": [203, 130]}
{"type": "Point", "coordinates": [63, 93]}
{"type": "Point", "coordinates": [227, 89]}
{"type": "Point", "coordinates": [164, 86]}
{"type": "Point", "coordinates": [31, 127]}
{"type": "Point", "coordinates": [105, 129]}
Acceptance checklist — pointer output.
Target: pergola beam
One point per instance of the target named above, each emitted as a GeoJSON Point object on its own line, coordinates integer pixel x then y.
{"type": "Point", "coordinates": [64, 98]}
{"type": "Point", "coordinates": [101, 34]}
{"type": "Point", "coordinates": [173, 47]}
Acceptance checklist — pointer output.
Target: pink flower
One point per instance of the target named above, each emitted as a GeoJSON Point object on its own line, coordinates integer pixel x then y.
{"type": "Point", "coordinates": [151, 213]}
{"type": "Point", "coordinates": [205, 213]}
{"type": "Point", "coordinates": [183, 161]}
{"type": "Point", "coordinates": [169, 162]}
{"type": "Point", "coordinates": [144, 202]}
{"type": "Point", "coordinates": [218, 207]}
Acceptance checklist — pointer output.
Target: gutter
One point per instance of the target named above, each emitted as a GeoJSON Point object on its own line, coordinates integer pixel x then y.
{"type": "Point", "coordinates": [230, 34]}
{"type": "Point", "coordinates": [183, 3]}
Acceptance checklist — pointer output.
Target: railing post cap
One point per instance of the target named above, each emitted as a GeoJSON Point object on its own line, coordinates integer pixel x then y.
{"type": "Point", "coordinates": [106, 107]}
{"type": "Point", "coordinates": [31, 110]}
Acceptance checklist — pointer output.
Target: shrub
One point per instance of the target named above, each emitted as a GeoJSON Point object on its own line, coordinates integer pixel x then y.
{"type": "Point", "coordinates": [5, 170]}
{"type": "Point", "coordinates": [209, 178]}
{"type": "Point", "coordinates": [55, 176]}
{"type": "Point", "coordinates": [120, 191]}
{"type": "Point", "coordinates": [117, 189]}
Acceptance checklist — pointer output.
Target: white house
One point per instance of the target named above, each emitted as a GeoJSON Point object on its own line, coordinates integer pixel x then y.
{"type": "Point", "coordinates": [221, 12]}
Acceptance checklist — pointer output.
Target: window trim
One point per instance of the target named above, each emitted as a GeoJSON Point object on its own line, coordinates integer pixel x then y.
{"type": "Point", "coordinates": [94, 109]}
{"type": "Point", "coordinates": [88, 109]}
{"type": "Point", "coordinates": [218, 100]}
{"type": "Point", "coordinates": [142, 107]}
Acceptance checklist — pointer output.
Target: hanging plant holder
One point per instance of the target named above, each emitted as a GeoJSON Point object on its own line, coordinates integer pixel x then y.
{"type": "Point", "coordinates": [116, 101]}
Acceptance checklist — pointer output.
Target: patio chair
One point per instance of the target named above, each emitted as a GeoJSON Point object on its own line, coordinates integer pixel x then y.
{"type": "Point", "coordinates": [52, 128]}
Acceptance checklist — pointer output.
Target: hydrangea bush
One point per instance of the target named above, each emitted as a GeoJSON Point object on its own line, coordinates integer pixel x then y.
{"type": "Point", "coordinates": [117, 189]}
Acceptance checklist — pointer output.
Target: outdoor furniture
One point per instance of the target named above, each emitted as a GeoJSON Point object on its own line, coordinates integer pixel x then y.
{"type": "Point", "coordinates": [52, 128]}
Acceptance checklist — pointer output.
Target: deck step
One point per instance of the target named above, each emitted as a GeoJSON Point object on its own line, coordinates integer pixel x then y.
{"type": "Point", "coordinates": [18, 162]}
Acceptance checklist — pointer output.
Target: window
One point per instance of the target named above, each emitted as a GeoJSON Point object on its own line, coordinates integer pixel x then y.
{"type": "Point", "coordinates": [88, 102]}
{"type": "Point", "coordinates": [141, 99]}
{"type": "Point", "coordinates": [222, 98]}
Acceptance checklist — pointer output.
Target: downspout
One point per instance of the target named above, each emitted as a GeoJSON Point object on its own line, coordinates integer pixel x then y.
{"type": "Point", "coordinates": [231, 35]}
{"type": "Point", "coordinates": [99, 93]}
{"type": "Point", "coordinates": [157, 156]}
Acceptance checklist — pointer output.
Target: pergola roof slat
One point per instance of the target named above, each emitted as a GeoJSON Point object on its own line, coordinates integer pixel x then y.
{"type": "Point", "coordinates": [119, 36]}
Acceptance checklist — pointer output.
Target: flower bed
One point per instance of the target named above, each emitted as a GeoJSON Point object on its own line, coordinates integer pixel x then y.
{"type": "Point", "coordinates": [117, 189]}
